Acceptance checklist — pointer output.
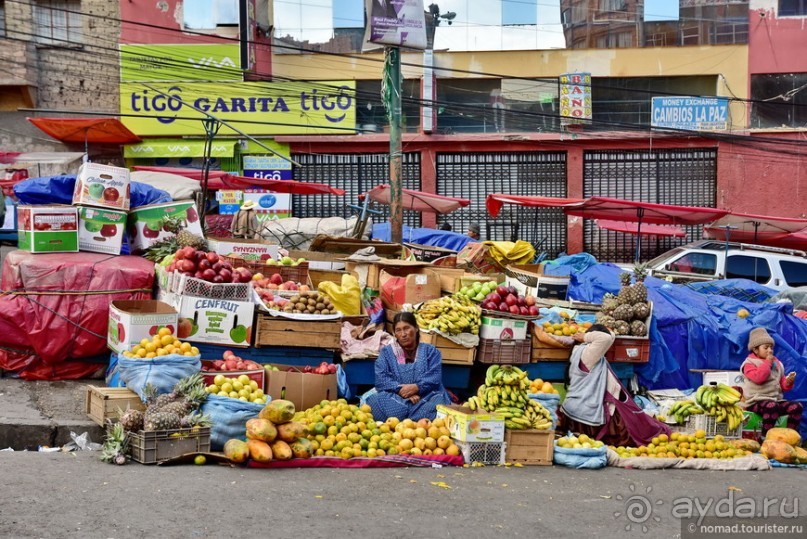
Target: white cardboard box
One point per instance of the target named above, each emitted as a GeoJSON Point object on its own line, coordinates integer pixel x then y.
{"type": "Point", "coordinates": [100, 230]}
{"type": "Point", "coordinates": [212, 321]}
{"type": "Point", "coordinates": [503, 329]}
{"type": "Point", "coordinates": [247, 249]}
{"type": "Point", "coordinates": [730, 378]}
{"type": "Point", "coordinates": [131, 321]}
{"type": "Point", "coordinates": [103, 186]}
{"type": "Point", "coordinates": [466, 425]}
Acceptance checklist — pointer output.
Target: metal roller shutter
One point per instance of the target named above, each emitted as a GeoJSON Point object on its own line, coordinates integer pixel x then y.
{"type": "Point", "coordinates": [475, 175]}
{"type": "Point", "coordinates": [685, 177]}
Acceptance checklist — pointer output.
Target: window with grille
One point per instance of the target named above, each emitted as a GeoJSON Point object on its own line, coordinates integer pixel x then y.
{"type": "Point", "coordinates": [779, 100]}
{"type": "Point", "coordinates": [686, 177]}
{"type": "Point", "coordinates": [789, 8]}
{"type": "Point", "coordinates": [475, 175]}
{"type": "Point", "coordinates": [356, 174]}
{"type": "Point", "coordinates": [58, 22]}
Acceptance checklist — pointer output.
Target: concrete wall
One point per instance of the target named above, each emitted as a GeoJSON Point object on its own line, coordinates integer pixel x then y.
{"type": "Point", "coordinates": [776, 44]}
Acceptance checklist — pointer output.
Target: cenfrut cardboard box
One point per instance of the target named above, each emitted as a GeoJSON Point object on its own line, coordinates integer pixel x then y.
{"type": "Point", "coordinates": [415, 286]}
{"type": "Point", "coordinates": [213, 321]}
{"type": "Point", "coordinates": [47, 229]}
{"type": "Point", "coordinates": [303, 389]}
{"type": "Point", "coordinates": [101, 230]}
{"type": "Point", "coordinates": [504, 329]}
{"type": "Point", "coordinates": [131, 321]}
{"type": "Point", "coordinates": [103, 186]}
{"type": "Point", "coordinates": [467, 425]}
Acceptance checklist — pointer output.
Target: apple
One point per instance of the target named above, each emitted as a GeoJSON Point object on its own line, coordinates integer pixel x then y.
{"type": "Point", "coordinates": [212, 258]}
{"type": "Point", "coordinates": [533, 310]}
{"type": "Point", "coordinates": [149, 232]}
{"type": "Point", "coordinates": [192, 216]}
{"type": "Point", "coordinates": [228, 354]}
{"type": "Point", "coordinates": [111, 194]}
{"type": "Point", "coordinates": [186, 265]}
{"type": "Point", "coordinates": [490, 306]}
{"type": "Point", "coordinates": [510, 300]}
{"type": "Point", "coordinates": [204, 264]}
{"type": "Point", "coordinates": [291, 285]}
{"type": "Point", "coordinates": [230, 364]}
{"type": "Point", "coordinates": [514, 309]}
{"type": "Point", "coordinates": [188, 252]}
{"type": "Point", "coordinates": [530, 300]}
{"type": "Point", "coordinates": [217, 364]}
{"type": "Point", "coordinates": [502, 290]}
{"type": "Point", "coordinates": [521, 301]}
{"type": "Point", "coordinates": [524, 310]}
{"type": "Point", "coordinates": [276, 278]}
{"type": "Point", "coordinates": [494, 297]}
{"type": "Point", "coordinates": [257, 277]}
{"type": "Point", "coordinates": [503, 307]}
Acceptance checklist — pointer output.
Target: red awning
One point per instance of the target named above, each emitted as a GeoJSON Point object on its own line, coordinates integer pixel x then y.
{"type": "Point", "coordinates": [222, 180]}
{"type": "Point", "coordinates": [95, 130]}
{"type": "Point", "coordinates": [647, 230]}
{"type": "Point", "coordinates": [761, 229]}
{"type": "Point", "coordinates": [643, 212]}
{"type": "Point", "coordinates": [496, 201]}
{"type": "Point", "coordinates": [417, 200]}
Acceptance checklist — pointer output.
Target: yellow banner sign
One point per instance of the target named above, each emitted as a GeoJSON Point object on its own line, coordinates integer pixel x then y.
{"type": "Point", "coordinates": [256, 108]}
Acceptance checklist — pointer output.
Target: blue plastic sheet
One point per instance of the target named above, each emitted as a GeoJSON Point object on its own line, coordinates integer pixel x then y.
{"type": "Point", "coordinates": [59, 190]}
{"type": "Point", "coordinates": [565, 265]}
{"type": "Point", "coordinates": [424, 236]}
{"type": "Point", "coordinates": [691, 330]}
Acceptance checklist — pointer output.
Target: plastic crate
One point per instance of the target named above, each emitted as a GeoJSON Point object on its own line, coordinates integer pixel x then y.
{"type": "Point", "coordinates": [259, 375]}
{"type": "Point", "coordinates": [151, 447]}
{"type": "Point", "coordinates": [504, 352]}
{"type": "Point", "coordinates": [484, 452]}
{"type": "Point", "coordinates": [712, 427]}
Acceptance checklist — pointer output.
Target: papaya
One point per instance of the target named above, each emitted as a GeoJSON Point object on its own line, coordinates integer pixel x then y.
{"type": "Point", "coordinates": [301, 448]}
{"type": "Point", "coordinates": [259, 451]}
{"type": "Point", "coordinates": [800, 454]}
{"type": "Point", "coordinates": [278, 411]}
{"type": "Point", "coordinates": [289, 432]}
{"type": "Point", "coordinates": [746, 445]}
{"type": "Point", "coordinates": [236, 450]}
{"type": "Point", "coordinates": [779, 451]}
{"type": "Point", "coordinates": [788, 436]}
{"type": "Point", "coordinates": [261, 429]}
{"type": "Point", "coordinates": [281, 450]}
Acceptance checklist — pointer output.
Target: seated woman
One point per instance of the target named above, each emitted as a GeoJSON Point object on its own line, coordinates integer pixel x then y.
{"type": "Point", "coordinates": [408, 375]}
{"type": "Point", "coordinates": [596, 403]}
{"type": "Point", "coordinates": [765, 383]}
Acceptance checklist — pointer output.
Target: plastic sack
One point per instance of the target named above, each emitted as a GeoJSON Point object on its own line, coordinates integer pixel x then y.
{"type": "Point", "coordinates": [374, 309]}
{"type": "Point", "coordinates": [112, 376]}
{"type": "Point", "coordinates": [229, 418]}
{"type": "Point", "coordinates": [342, 386]}
{"type": "Point", "coordinates": [507, 252]}
{"type": "Point", "coordinates": [346, 298]}
{"type": "Point", "coordinates": [162, 372]}
{"type": "Point", "coordinates": [550, 401]}
{"type": "Point", "coordinates": [581, 458]}
{"type": "Point", "coordinates": [367, 394]}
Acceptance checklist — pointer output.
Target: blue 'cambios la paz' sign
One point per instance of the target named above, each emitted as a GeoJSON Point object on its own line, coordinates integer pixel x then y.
{"type": "Point", "coordinates": [691, 113]}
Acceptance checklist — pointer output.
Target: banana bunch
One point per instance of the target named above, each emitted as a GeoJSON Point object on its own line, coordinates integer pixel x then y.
{"type": "Point", "coordinates": [505, 392]}
{"type": "Point", "coordinates": [721, 401]}
{"type": "Point", "coordinates": [716, 395]}
{"type": "Point", "coordinates": [450, 314]}
{"type": "Point", "coordinates": [680, 410]}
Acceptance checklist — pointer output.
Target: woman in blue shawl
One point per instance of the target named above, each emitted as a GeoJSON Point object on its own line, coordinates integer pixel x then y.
{"type": "Point", "coordinates": [408, 375]}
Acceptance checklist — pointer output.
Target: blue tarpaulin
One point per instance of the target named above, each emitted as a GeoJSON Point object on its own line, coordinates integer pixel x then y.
{"type": "Point", "coordinates": [424, 236]}
{"type": "Point", "coordinates": [691, 330]}
{"type": "Point", "coordinates": [59, 190]}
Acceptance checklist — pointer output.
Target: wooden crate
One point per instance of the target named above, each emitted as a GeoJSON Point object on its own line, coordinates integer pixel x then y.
{"type": "Point", "coordinates": [452, 352]}
{"type": "Point", "coordinates": [529, 447]}
{"type": "Point", "coordinates": [514, 352]}
{"type": "Point", "coordinates": [104, 402]}
{"type": "Point", "coordinates": [543, 352]}
{"type": "Point", "coordinates": [278, 331]}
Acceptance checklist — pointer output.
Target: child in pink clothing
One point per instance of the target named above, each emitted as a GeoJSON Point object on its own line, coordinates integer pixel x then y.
{"type": "Point", "coordinates": [765, 383]}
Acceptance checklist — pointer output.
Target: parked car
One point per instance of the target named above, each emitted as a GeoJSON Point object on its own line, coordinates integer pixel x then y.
{"type": "Point", "coordinates": [704, 260]}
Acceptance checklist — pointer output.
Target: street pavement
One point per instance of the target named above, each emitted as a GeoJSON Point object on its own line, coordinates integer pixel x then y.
{"type": "Point", "coordinates": [74, 494]}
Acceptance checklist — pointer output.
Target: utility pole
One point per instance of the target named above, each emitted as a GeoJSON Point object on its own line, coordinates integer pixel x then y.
{"type": "Point", "coordinates": [393, 76]}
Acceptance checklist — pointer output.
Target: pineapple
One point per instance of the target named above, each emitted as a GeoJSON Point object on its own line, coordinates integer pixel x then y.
{"type": "Point", "coordinates": [179, 238]}
{"type": "Point", "coordinates": [641, 311]}
{"type": "Point", "coordinates": [132, 420]}
{"type": "Point", "coordinates": [161, 421]}
{"type": "Point", "coordinates": [185, 239]}
{"type": "Point", "coordinates": [196, 419]}
{"type": "Point", "coordinates": [624, 312]}
{"type": "Point", "coordinates": [609, 303]}
{"type": "Point", "coordinates": [638, 328]}
{"type": "Point", "coordinates": [621, 327]}
{"type": "Point", "coordinates": [605, 320]}
{"type": "Point", "coordinates": [625, 296]}
{"type": "Point", "coordinates": [116, 443]}
{"type": "Point", "coordinates": [639, 290]}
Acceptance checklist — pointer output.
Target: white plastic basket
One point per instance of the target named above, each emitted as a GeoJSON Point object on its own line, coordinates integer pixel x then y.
{"type": "Point", "coordinates": [484, 452]}
{"type": "Point", "coordinates": [712, 427]}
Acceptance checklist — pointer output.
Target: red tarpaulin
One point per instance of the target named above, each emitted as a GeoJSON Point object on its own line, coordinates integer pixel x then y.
{"type": "Point", "coordinates": [647, 230]}
{"type": "Point", "coordinates": [222, 180]}
{"type": "Point", "coordinates": [95, 130]}
{"type": "Point", "coordinates": [496, 201]}
{"type": "Point", "coordinates": [417, 200]}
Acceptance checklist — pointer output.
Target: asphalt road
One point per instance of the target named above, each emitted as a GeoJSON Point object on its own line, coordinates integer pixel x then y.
{"type": "Point", "coordinates": [76, 495]}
